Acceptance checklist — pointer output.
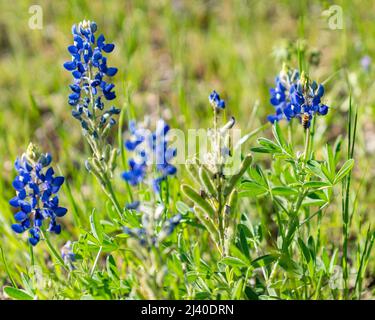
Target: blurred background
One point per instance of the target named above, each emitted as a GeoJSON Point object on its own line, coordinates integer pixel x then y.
{"type": "Point", "coordinates": [170, 55]}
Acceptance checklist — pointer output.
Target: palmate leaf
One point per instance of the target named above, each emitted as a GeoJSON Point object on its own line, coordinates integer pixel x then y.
{"type": "Point", "coordinates": [251, 188]}
{"type": "Point", "coordinates": [344, 171]}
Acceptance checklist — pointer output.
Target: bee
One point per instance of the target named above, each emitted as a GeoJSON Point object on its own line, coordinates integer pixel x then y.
{"type": "Point", "coordinates": [305, 120]}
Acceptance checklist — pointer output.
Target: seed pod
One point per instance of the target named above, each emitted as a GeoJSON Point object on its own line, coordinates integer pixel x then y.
{"type": "Point", "coordinates": [234, 179]}
{"type": "Point", "coordinates": [112, 159]}
{"type": "Point", "coordinates": [95, 163]}
{"type": "Point", "coordinates": [207, 222]}
{"type": "Point", "coordinates": [206, 181]}
{"type": "Point", "coordinates": [106, 153]}
{"type": "Point", "coordinates": [198, 200]}
{"type": "Point", "coordinates": [233, 199]}
{"type": "Point", "coordinates": [92, 166]}
{"type": "Point", "coordinates": [192, 169]}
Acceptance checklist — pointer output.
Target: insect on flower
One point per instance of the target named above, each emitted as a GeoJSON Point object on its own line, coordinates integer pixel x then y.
{"type": "Point", "coordinates": [37, 188]}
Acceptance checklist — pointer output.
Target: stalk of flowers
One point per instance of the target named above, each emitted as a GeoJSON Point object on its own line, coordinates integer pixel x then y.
{"type": "Point", "coordinates": [151, 155]}
{"type": "Point", "coordinates": [90, 91]}
{"type": "Point", "coordinates": [146, 243]}
{"type": "Point", "coordinates": [296, 96]}
{"type": "Point", "coordinates": [216, 201]}
{"type": "Point", "coordinates": [37, 197]}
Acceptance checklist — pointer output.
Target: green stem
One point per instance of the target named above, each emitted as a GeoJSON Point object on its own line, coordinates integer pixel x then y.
{"type": "Point", "coordinates": [7, 268]}
{"type": "Point", "coordinates": [307, 147]}
{"type": "Point", "coordinates": [32, 255]}
{"type": "Point", "coordinates": [96, 261]}
{"type": "Point", "coordinates": [111, 195]}
{"type": "Point", "coordinates": [52, 250]}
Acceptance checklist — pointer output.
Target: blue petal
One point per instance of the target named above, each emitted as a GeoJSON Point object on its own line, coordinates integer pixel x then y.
{"type": "Point", "coordinates": [33, 241]}
{"type": "Point", "coordinates": [18, 185]}
{"type": "Point", "coordinates": [20, 216]}
{"type": "Point", "coordinates": [323, 110]}
{"type": "Point", "coordinates": [58, 181]}
{"type": "Point", "coordinates": [25, 206]}
{"type": "Point", "coordinates": [100, 41]}
{"type": "Point", "coordinates": [108, 47]}
{"type": "Point", "coordinates": [111, 71]}
{"type": "Point", "coordinates": [70, 65]}
{"type": "Point", "coordinates": [17, 228]}
{"type": "Point", "coordinates": [14, 202]}
{"type": "Point", "coordinates": [73, 49]}
{"type": "Point", "coordinates": [60, 211]}
{"type": "Point", "coordinates": [76, 74]}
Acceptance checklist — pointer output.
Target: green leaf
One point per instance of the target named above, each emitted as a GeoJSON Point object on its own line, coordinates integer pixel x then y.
{"type": "Point", "coordinates": [278, 134]}
{"type": "Point", "coordinates": [304, 249]}
{"type": "Point", "coordinates": [243, 241]}
{"type": "Point", "coordinates": [252, 188]}
{"type": "Point", "coordinates": [263, 261]}
{"type": "Point", "coordinates": [96, 227]}
{"type": "Point", "coordinates": [331, 159]}
{"type": "Point", "coordinates": [17, 294]}
{"type": "Point", "coordinates": [237, 290]}
{"type": "Point", "coordinates": [311, 245]}
{"type": "Point", "coordinates": [233, 262]}
{"type": "Point", "coordinates": [197, 256]}
{"type": "Point", "coordinates": [345, 169]}
{"type": "Point", "coordinates": [269, 145]}
{"type": "Point", "coordinates": [112, 268]}
{"type": "Point", "coordinates": [316, 184]}
{"type": "Point", "coordinates": [261, 150]}
{"type": "Point", "coordinates": [315, 168]}
{"type": "Point", "coordinates": [290, 266]}
{"type": "Point", "coordinates": [313, 202]}
{"type": "Point", "coordinates": [284, 191]}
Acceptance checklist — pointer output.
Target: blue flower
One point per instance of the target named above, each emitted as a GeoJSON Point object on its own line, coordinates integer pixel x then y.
{"type": "Point", "coordinates": [148, 149]}
{"type": "Point", "coordinates": [133, 205]}
{"type": "Point", "coordinates": [295, 96]}
{"type": "Point", "coordinates": [68, 255]}
{"type": "Point", "coordinates": [89, 69]}
{"type": "Point", "coordinates": [366, 63]}
{"type": "Point", "coordinates": [215, 100]}
{"type": "Point", "coordinates": [36, 195]}
{"type": "Point", "coordinates": [154, 227]}
{"type": "Point", "coordinates": [136, 173]}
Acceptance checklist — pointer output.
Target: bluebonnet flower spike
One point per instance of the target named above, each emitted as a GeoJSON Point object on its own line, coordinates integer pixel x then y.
{"type": "Point", "coordinates": [149, 148]}
{"type": "Point", "coordinates": [295, 96]}
{"type": "Point", "coordinates": [36, 187]}
{"type": "Point", "coordinates": [89, 70]}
